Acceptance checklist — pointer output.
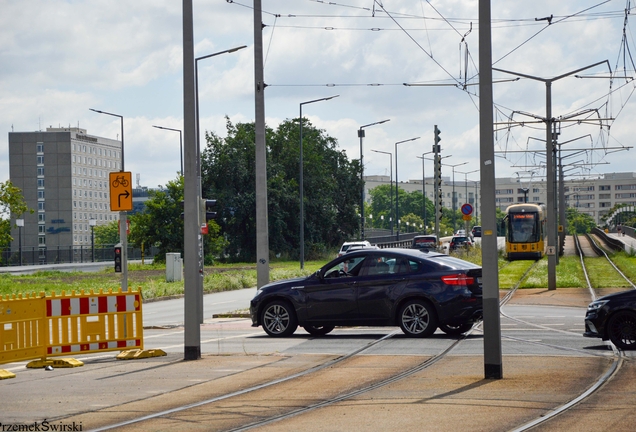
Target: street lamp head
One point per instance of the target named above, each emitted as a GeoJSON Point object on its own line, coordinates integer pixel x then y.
{"type": "Point", "coordinates": [19, 222]}
{"type": "Point", "coordinates": [410, 139]}
{"type": "Point", "coordinates": [92, 222]}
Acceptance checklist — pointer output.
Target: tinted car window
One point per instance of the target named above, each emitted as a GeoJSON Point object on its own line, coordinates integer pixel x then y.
{"type": "Point", "coordinates": [385, 264]}
{"type": "Point", "coordinates": [345, 268]}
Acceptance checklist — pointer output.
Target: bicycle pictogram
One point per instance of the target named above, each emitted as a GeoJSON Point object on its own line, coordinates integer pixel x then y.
{"type": "Point", "coordinates": [120, 180]}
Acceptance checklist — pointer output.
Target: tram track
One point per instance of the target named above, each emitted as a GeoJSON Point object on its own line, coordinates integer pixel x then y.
{"type": "Point", "coordinates": [266, 418]}
{"type": "Point", "coordinates": [617, 356]}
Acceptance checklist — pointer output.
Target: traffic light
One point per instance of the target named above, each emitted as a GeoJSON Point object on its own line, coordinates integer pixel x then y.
{"type": "Point", "coordinates": [437, 132]}
{"type": "Point", "coordinates": [205, 213]}
{"type": "Point", "coordinates": [438, 172]}
{"type": "Point", "coordinates": [182, 215]}
{"type": "Point", "coordinates": [118, 258]}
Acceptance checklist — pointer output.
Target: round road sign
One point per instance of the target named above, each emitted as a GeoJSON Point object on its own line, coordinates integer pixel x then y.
{"type": "Point", "coordinates": [467, 209]}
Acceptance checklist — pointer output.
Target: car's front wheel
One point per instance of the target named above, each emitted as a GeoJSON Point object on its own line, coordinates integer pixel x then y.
{"type": "Point", "coordinates": [621, 330]}
{"type": "Point", "coordinates": [418, 318]}
{"type": "Point", "coordinates": [318, 330]}
{"type": "Point", "coordinates": [279, 319]}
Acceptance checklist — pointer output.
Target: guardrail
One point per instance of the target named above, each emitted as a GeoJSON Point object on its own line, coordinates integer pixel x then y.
{"type": "Point", "coordinates": [40, 326]}
{"type": "Point", "coordinates": [612, 243]}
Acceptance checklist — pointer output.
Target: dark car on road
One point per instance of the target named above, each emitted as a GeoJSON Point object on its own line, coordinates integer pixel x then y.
{"type": "Point", "coordinates": [476, 232]}
{"type": "Point", "coordinates": [459, 241]}
{"type": "Point", "coordinates": [613, 317]}
{"type": "Point", "coordinates": [414, 289]}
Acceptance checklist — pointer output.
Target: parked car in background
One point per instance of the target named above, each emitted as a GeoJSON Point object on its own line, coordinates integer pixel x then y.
{"type": "Point", "coordinates": [428, 242]}
{"type": "Point", "coordinates": [459, 241]}
{"type": "Point", "coordinates": [358, 247]}
{"type": "Point", "coordinates": [418, 291]}
{"type": "Point", "coordinates": [346, 245]}
{"type": "Point", "coordinates": [460, 232]}
{"type": "Point", "coordinates": [613, 317]}
{"type": "Point", "coordinates": [476, 231]}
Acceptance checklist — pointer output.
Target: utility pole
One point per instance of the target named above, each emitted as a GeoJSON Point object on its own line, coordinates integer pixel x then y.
{"type": "Point", "coordinates": [490, 272]}
{"type": "Point", "coordinates": [550, 166]}
{"type": "Point", "coordinates": [262, 234]}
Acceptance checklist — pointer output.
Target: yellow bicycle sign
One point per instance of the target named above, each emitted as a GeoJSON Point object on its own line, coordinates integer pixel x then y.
{"type": "Point", "coordinates": [120, 191]}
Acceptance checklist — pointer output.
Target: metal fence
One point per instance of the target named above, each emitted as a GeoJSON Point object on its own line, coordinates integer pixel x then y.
{"type": "Point", "coordinates": [70, 254]}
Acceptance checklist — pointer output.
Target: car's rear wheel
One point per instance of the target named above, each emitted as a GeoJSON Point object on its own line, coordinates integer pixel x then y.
{"type": "Point", "coordinates": [279, 319]}
{"type": "Point", "coordinates": [455, 329]}
{"type": "Point", "coordinates": [418, 318]}
{"type": "Point", "coordinates": [318, 330]}
{"type": "Point", "coordinates": [621, 330]}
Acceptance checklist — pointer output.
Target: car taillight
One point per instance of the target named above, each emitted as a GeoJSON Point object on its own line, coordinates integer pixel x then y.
{"type": "Point", "coordinates": [458, 279]}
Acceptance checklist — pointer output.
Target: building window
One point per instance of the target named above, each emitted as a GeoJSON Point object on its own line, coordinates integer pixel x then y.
{"type": "Point", "coordinates": [605, 187]}
{"type": "Point", "coordinates": [39, 147]}
{"type": "Point", "coordinates": [40, 194]}
{"type": "Point", "coordinates": [41, 205]}
{"type": "Point", "coordinates": [40, 160]}
{"type": "Point", "coordinates": [41, 229]}
{"type": "Point", "coordinates": [40, 183]}
{"type": "Point", "coordinates": [41, 240]}
{"type": "Point", "coordinates": [40, 171]}
{"type": "Point", "coordinates": [625, 187]}
{"type": "Point", "coordinates": [41, 217]}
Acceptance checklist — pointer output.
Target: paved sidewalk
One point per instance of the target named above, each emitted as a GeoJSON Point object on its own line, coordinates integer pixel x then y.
{"type": "Point", "coordinates": [450, 395]}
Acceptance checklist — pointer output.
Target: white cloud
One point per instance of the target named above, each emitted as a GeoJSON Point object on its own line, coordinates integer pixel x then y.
{"type": "Point", "coordinates": [62, 57]}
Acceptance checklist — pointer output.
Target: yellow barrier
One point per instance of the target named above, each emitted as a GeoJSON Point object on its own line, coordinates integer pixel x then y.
{"type": "Point", "coordinates": [39, 326]}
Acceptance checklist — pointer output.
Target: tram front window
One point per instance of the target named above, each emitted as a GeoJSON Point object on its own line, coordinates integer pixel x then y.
{"type": "Point", "coordinates": [523, 231]}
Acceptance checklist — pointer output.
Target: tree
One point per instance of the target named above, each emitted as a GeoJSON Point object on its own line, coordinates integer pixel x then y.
{"type": "Point", "coordinates": [579, 223]}
{"type": "Point", "coordinates": [11, 202]}
{"type": "Point", "coordinates": [160, 223]}
{"type": "Point", "coordinates": [107, 234]}
{"type": "Point", "coordinates": [331, 189]}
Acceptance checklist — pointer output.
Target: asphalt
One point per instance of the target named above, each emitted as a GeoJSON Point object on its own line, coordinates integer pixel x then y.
{"type": "Point", "coordinates": [449, 395]}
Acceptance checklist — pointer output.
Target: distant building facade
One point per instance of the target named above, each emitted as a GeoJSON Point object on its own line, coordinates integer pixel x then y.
{"type": "Point", "coordinates": [63, 175]}
{"type": "Point", "coordinates": [593, 196]}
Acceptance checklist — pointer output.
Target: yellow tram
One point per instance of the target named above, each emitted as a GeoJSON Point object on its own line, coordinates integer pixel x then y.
{"type": "Point", "coordinates": [525, 231]}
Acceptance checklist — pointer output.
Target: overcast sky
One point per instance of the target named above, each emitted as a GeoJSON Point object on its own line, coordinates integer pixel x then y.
{"type": "Point", "coordinates": [60, 58]}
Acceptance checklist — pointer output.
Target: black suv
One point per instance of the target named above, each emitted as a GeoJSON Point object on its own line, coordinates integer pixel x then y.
{"type": "Point", "coordinates": [417, 290]}
{"type": "Point", "coordinates": [613, 317]}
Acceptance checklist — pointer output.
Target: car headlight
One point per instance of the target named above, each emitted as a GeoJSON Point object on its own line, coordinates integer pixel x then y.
{"type": "Point", "coordinates": [596, 305]}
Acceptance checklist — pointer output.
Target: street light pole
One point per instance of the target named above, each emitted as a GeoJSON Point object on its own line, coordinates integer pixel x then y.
{"type": "Point", "coordinates": [92, 223]}
{"type": "Point", "coordinates": [302, 207]}
{"type": "Point", "coordinates": [20, 224]}
{"type": "Point", "coordinates": [453, 199]}
{"type": "Point", "coordinates": [390, 187]}
{"type": "Point", "coordinates": [361, 136]}
{"type": "Point", "coordinates": [180, 142]}
{"type": "Point", "coordinates": [466, 192]}
{"type": "Point", "coordinates": [397, 212]}
{"type": "Point", "coordinates": [424, 188]}
{"type": "Point", "coordinates": [123, 216]}
{"type": "Point", "coordinates": [199, 192]}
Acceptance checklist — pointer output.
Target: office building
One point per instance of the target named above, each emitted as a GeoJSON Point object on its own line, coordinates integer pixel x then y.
{"type": "Point", "coordinates": [63, 175]}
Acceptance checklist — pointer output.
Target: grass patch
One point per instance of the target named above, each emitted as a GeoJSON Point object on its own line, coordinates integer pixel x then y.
{"type": "Point", "coordinates": [603, 275]}
{"type": "Point", "coordinates": [151, 279]}
{"type": "Point", "coordinates": [626, 263]}
{"type": "Point", "coordinates": [510, 274]}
